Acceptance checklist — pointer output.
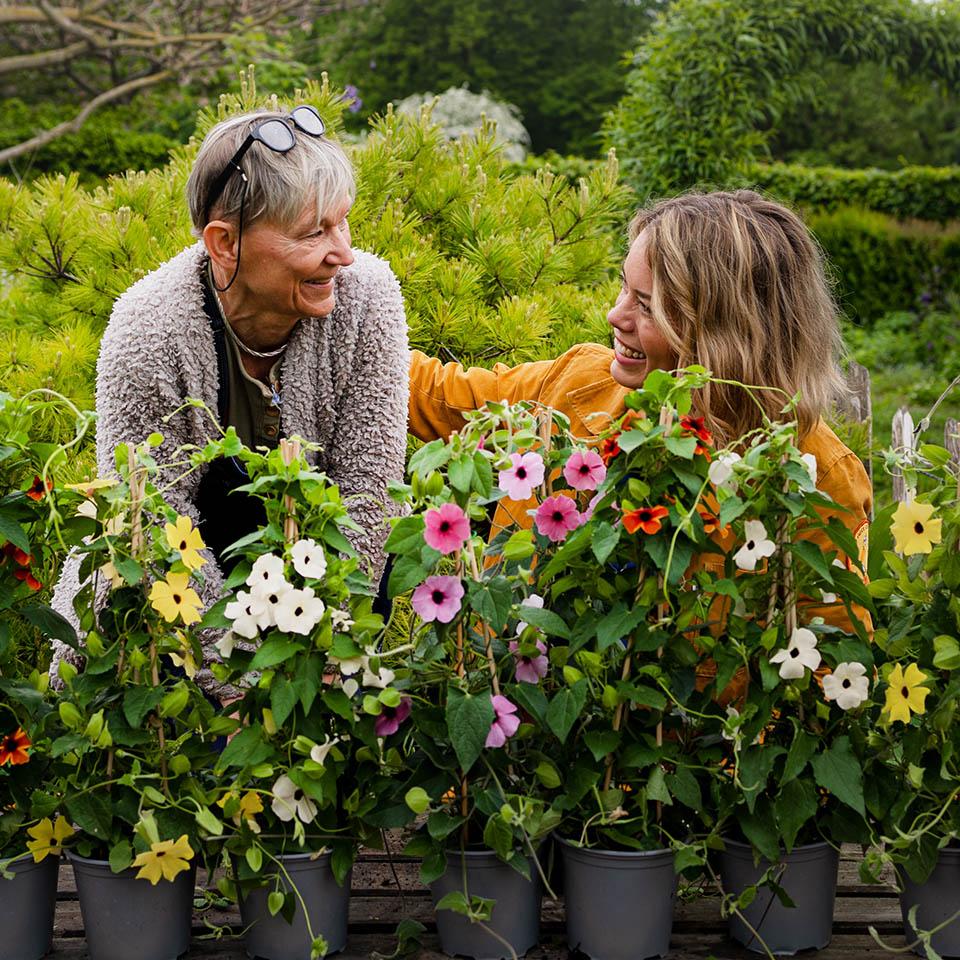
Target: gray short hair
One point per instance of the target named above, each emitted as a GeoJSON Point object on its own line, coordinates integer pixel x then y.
{"type": "Point", "coordinates": [279, 184]}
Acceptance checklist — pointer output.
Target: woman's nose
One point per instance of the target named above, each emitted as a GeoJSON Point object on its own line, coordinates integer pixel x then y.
{"type": "Point", "coordinates": [618, 316]}
{"type": "Point", "coordinates": [341, 252]}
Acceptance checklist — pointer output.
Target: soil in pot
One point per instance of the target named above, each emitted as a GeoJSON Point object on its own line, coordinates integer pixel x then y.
{"type": "Point", "coordinates": [516, 913]}
{"type": "Point", "coordinates": [120, 911]}
{"type": "Point", "coordinates": [937, 900]}
{"type": "Point", "coordinates": [809, 876]}
{"type": "Point", "coordinates": [619, 903]}
{"type": "Point", "coordinates": [272, 937]}
{"type": "Point", "coordinates": [29, 901]}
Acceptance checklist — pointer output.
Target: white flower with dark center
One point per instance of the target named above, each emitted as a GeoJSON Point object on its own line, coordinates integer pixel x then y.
{"type": "Point", "coordinates": [535, 601]}
{"type": "Point", "coordinates": [381, 679]}
{"type": "Point", "coordinates": [249, 614]}
{"type": "Point", "coordinates": [272, 601]}
{"type": "Point", "coordinates": [290, 801]}
{"type": "Point", "coordinates": [309, 560]}
{"type": "Point", "coordinates": [340, 621]}
{"type": "Point", "coordinates": [226, 644]}
{"type": "Point", "coordinates": [810, 462]}
{"type": "Point", "coordinates": [319, 752]}
{"type": "Point", "coordinates": [267, 575]}
{"type": "Point", "coordinates": [801, 653]}
{"type": "Point", "coordinates": [848, 685]}
{"type": "Point", "coordinates": [757, 546]}
{"type": "Point", "coordinates": [348, 665]}
{"type": "Point", "coordinates": [721, 470]}
{"type": "Point", "coordinates": [299, 611]}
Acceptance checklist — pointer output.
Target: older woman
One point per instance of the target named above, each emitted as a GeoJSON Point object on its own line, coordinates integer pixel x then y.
{"type": "Point", "coordinates": [732, 281]}
{"type": "Point", "coordinates": [275, 322]}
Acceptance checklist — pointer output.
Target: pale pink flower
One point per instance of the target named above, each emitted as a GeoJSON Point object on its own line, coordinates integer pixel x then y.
{"type": "Point", "coordinates": [529, 669]}
{"type": "Point", "coordinates": [556, 517]}
{"type": "Point", "coordinates": [525, 473]}
{"type": "Point", "coordinates": [504, 724]}
{"type": "Point", "coordinates": [437, 598]}
{"type": "Point", "coordinates": [584, 470]}
{"type": "Point", "coordinates": [447, 529]}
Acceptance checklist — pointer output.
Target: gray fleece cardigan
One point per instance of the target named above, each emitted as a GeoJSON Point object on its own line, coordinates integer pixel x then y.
{"type": "Point", "coordinates": [344, 383]}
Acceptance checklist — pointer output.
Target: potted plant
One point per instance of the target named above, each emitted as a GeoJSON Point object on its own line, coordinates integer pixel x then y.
{"type": "Point", "coordinates": [139, 731]}
{"type": "Point", "coordinates": [912, 778]}
{"type": "Point", "coordinates": [311, 761]}
{"type": "Point", "coordinates": [787, 691]}
{"type": "Point", "coordinates": [484, 719]}
{"type": "Point", "coordinates": [31, 775]}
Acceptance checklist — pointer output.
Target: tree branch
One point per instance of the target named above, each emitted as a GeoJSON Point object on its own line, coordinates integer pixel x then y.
{"type": "Point", "coordinates": [44, 58]}
{"type": "Point", "coordinates": [71, 126]}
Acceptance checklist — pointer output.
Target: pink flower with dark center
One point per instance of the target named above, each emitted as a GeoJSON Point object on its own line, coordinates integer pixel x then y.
{"type": "Point", "coordinates": [556, 517]}
{"type": "Point", "coordinates": [438, 598]}
{"type": "Point", "coordinates": [529, 669]}
{"type": "Point", "coordinates": [391, 717]}
{"type": "Point", "coordinates": [584, 470]}
{"type": "Point", "coordinates": [525, 473]}
{"type": "Point", "coordinates": [504, 724]}
{"type": "Point", "coordinates": [447, 529]}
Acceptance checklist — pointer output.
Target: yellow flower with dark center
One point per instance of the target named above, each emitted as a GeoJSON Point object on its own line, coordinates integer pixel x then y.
{"type": "Point", "coordinates": [905, 693]}
{"type": "Point", "coordinates": [184, 537]}
{"type": "Point", "coordinates": [48, 838]}
{"type": "Point", "coordinates": [250, 805]}
{"type": "Point", "coordinates": [914, 529]}
{"type": "Point", "coordinates": [164, 860]}
{"type": "Point", "coordinates": [172, 598]}
{"type": "Point", "coordinates": [184, 658]}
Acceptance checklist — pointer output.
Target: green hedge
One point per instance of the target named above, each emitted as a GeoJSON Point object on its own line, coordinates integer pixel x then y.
{"type": "Point", "coordinates": [881, 265]}
{"type": "Point", "coordinates": [921, 193]}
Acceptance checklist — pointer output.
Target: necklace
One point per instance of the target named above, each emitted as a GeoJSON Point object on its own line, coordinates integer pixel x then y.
{"type": "Point", "coordinates": [263, 355]}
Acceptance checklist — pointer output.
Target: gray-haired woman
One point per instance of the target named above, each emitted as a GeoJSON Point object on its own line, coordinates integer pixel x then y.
{"type": "Point", "coordinates": [275, 322]}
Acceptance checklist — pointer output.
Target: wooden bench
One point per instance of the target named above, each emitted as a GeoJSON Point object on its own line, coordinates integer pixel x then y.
{"type": "Point", "coordinates": [378, 905]}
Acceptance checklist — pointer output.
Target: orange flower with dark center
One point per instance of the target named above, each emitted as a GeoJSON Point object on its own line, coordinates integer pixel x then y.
{"type": "Point", "coordinates": [630, 418]}
{"type": "Point", "coordinates": [695, 427]}
{"type": "Point", "coordinates": [20, 557]}
{"type": "Point", "coordinates": [13, 748]}
{"type": "Point", "coordinates": [711, 523]}
{"type": "Point", "coordinates": [609, 448]}
{"type": "Point", "coordinates": [27, 577]}
{"type": "Point", "coordinates": [703, 450]}
{"type": "Point", "coordinates": [38, 489]}
{"type": "Point", "coordinates": [646, 519]}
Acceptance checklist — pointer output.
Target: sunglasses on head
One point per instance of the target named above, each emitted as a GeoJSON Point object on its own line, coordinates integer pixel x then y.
{"type": "Point", "coordinates": [276, 134]}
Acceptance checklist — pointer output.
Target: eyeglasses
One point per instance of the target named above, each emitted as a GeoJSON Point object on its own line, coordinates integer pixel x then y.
{"type": "Point", "coordinates": [276, 134]}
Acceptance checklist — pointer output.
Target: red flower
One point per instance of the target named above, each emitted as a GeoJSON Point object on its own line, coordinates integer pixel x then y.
{"type": "Point", "coordinates": [37, 490]}
{"type": "Point", "coordinates": [16, 554]}
{"type": "Point", "coordinates": [13, 748]}
{"type": "Point", "coordinates": [703, 450]}
{"type": "Point", "coordinates": [694, 426]}
{"type": "Point", "coordinates": [646, 519]}
{"type": "Point", "coordinates": [609, 448]}
{"type": "Point", "coordinates": [27, 577]}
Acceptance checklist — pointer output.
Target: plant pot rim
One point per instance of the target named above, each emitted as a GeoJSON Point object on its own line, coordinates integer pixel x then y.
{"type": "Point", "coordinates": [613, 854]}
{"type": "Point", "coordinates": [739, 844]}
{"type": "Point", "coordinates": [300, 857]}
{"type": "Point", "coordinates": [26, 860]}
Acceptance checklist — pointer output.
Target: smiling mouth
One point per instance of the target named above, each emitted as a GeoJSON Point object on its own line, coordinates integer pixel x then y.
{"type": "Point", "coordinates": [624, 351]}
{"type": "Point", "coordinates": [319, 283]}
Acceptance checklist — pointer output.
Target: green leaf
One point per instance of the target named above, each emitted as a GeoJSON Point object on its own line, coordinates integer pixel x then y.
{"type": "Point", "coordinates": [657, 787]}
{"type": "Point", "coordinates": [681, 446]}
{"type": "Point", "coordinates": [12, 531]}
{"type": "Point", "coordinates": [275, 902]}
{"type": "Point", "coordinates": [121, 856]}
{"type": "Point", "coordinates": [565, 707]}
{"type": "Point", "coordinates": [433, 866]}
{"type": "Point", "coordinates": [138, 702]}
{"type": "Point", "coordinates": [247, 748]}
{"type": "Point", "coordinates": [811, 554]}
{"type": "Point", "coordinates": [273, 652]}
{"type": "Point", "coordinates": [209, 822]}
{"type": "Point", "coordinates": [469, 719]}
{"type": "Point", "coordinates": [283, 698]}
{"type": "Point", "coordinates": [546, 620]}
{"type": "Point", "coordinates": [604, 539]}
{"type": "Point", "coordinates": [92, 814]}
{"type": "Point", "coordinates": [519, 546]}
{"type": "Point", "coordinates": [732, 508]}
{"type": "Point", "coordinates": [759, 827]}
{"type": "Point", "coordinates": [429, 458]}
{"type": "Point", "coordinates": [441, 824]}
{"type": "Point", "coordinates": [254, 858]}
{"type": "Point", "coordinates": [795, 806]}
{"type": "Point", "coordinates": [618, 624]}
{"type": "Point", "coordinates": [129, 569]}
{"type": "Point", "coordinates": [338, 702]}
{"type": "Point", "coordinates": [547, 774]}
{"type": "Point", "coordinates": [756, 764]}
{"type": "Point", "coordinates": [406, 574]}
{"type": "Point", "coordinates": [492, 600]}
{"type": "Point", "coordinates": [602, 742]}
{"type": "Point", "coordinates": [417, 799]}
{"type": "Point", "coordinates": [406, 538]}
{"type": "Point", "coordinates": [498, 837]}
{"type": "Point", "coordinates": [683, 785]}
{"type": "Point", "coordinates": [804, 746]}
{"type": "Point", "coordinates": [482, 475]}
{"type": "Point", "coordinates": [460, 473]}
{"type": "Point", "coordinates": [50, 623]}
{"type": "Point", "coordinates": [838, 771]}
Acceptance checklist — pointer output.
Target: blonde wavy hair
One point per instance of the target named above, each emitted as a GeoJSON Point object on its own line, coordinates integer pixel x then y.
{"type": "Point", "coordinates": [739, 286]}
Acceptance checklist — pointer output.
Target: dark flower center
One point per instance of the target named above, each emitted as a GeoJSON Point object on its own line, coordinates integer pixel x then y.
{"type": "Point", "coordinates": [918, 527]}
{"type": "Point", "coordinates": [794, 652]}
{"type": "Point", "coordinates": [438, 596]}
{"type": "Point", "coordinates": [557, 516]}
{"type": "Point", "coordinates": [298, 612]}
{"type": "Point", "coordinates": [444, 527]}
{"type": "Point", "coordinates": [846, 684]}
{"type": "Point", "coordinates": [905, 693]}
{"type": "Point", "coordinates": [177, 598]}
{"type": "Point", "coordinates": [183, 544]}
{"type": "Point", "coordinates": [584, 469]}
{"type": "Point", "coordinates": [751, 545]}
{"type": "Point", "coordinates": [521, 473]}
{"type": "Point", "coordinates": [161, 853]}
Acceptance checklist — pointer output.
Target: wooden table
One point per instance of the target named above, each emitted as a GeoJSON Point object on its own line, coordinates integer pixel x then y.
{"type": "Point", "coordinates": [377, 906]}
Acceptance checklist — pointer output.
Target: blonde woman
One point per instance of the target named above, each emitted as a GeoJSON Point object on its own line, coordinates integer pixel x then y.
{"type": "Point", "coordinates": [732, 281]}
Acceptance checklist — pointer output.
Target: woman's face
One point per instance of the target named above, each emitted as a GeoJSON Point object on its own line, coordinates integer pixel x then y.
{"type": "Point", "coordinates": [289, 271]}
{"type": "Point", "coordinates": [638, 345]}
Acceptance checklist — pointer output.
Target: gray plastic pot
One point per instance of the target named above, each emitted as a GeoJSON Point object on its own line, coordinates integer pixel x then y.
{"type": "Point", "coordinates": [327, 903]}
{"type": "Point", "coordinates": [937, 900]}
{"type": "Point", "coordinates": [810, 879]}
{"type": "Point", "coordinates": [29, 901]}
{"type": "Point", "coordinates": [124, 916]}
{"type": "Point", "coordinates": [515, 916]}
{"type": "Point", "coordinates": [619, 903]}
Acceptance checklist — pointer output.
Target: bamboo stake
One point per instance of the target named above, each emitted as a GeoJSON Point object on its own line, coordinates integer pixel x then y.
{"type": "Point", "coordinates": [290, 451]}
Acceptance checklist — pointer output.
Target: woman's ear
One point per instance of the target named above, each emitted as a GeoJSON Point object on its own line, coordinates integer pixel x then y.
{"type": "Point", "coordinates": [220, 239]}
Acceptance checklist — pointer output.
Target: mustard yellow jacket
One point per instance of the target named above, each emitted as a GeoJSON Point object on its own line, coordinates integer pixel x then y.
{"type": "Point", "coordinates": [578, 383]}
